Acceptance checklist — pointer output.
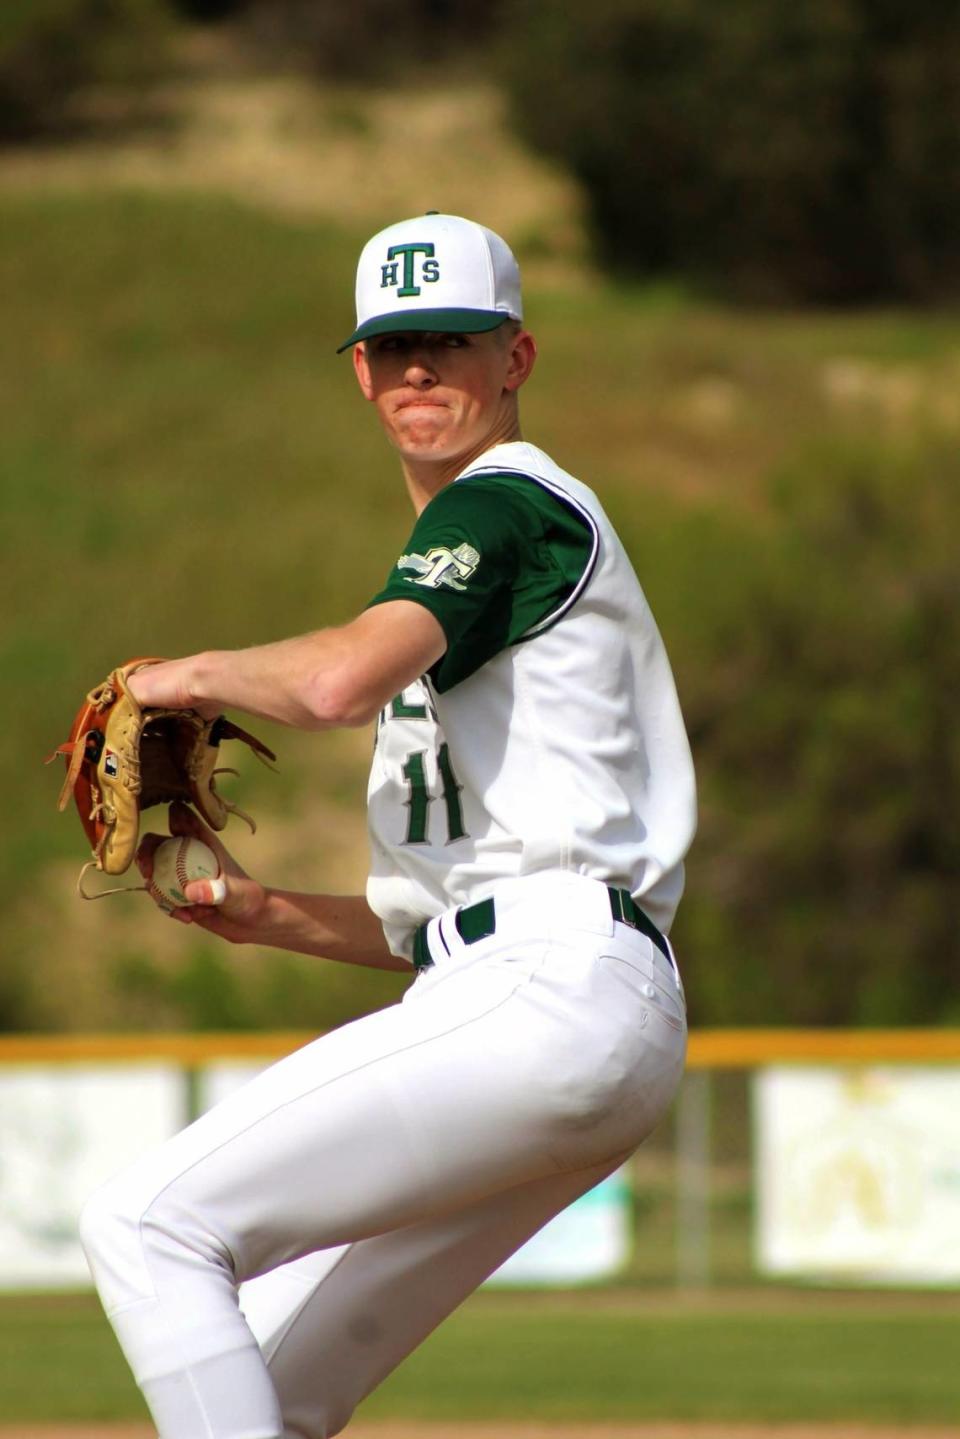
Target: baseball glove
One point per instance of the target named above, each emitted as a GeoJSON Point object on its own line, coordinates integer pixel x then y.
{"type": "Point", "coordinates": [122, 759]}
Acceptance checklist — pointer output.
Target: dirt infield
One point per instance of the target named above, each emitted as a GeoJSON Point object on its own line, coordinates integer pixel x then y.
{"type": "Point", "coordinates": [422, 1429]}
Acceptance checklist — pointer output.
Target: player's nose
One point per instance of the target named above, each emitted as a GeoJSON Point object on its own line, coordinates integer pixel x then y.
{"type": "Point", "coordinates": [420, 370]}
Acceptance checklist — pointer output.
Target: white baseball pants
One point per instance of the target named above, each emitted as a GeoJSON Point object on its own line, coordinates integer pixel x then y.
{"type": "Point", "coordinates": [360, 1189]}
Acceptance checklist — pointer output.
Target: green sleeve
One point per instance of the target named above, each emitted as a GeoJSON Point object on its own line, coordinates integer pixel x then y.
{"type": "Point", "coordinates": [497, 558]}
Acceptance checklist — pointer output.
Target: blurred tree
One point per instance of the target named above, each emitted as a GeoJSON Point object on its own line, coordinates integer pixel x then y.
{"type": "Point", "coordinates": [211, 11]}
{"type": "Point", "coordinates": [373, 39]}
{"type": "Point", "coordinates": [49, 49]}
{"type": "Point", "coordinates": [770, 148]}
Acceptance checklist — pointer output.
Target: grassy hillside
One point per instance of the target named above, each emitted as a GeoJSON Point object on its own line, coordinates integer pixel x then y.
{"type": "Point", "coordinates": [185, 462]}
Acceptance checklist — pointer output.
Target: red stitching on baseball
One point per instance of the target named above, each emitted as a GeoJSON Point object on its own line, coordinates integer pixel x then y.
{"type": "Point", "coordinates": [156, 893]}
{"type": "Point", "coordinates": [181, 866]}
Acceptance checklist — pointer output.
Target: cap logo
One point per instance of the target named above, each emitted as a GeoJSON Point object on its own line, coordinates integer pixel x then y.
{"type": "Point", "coordinates": [390, 272]}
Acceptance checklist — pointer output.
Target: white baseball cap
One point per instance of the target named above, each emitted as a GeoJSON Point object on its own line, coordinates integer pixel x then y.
{"type": "Point", "coordinates": [437, 272]}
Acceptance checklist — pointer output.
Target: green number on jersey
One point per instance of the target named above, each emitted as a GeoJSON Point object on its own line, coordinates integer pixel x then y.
{"type": "Point", "coordinates": [451, 795]}
{"type": "Point", "coordinates": [418, 804]}
{"type": "Point", "coordinates": [420, 797]}
{"type": "Point", "coordinates": [401, 710]}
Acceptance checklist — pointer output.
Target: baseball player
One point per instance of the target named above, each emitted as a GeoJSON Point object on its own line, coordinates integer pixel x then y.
{"type": "Point", "coordinates": [531, 800]}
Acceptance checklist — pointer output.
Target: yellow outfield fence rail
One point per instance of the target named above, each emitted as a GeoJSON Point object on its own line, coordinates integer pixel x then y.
{"type": "Point", "coordinates": [750, 1048]}
{"type": "Point", "coordinates": [709, 1048]}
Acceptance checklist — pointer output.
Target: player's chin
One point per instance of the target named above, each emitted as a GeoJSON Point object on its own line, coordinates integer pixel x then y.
{"type": "Point", "coordinates": [423, 424]}
{"type": "Point", "coordinates": [428, 443]}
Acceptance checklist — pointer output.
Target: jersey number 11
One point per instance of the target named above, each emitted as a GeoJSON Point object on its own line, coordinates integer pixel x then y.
{"type": "Point", "coordinates": [418, 805]}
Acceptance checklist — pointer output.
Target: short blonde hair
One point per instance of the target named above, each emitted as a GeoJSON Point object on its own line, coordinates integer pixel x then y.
{"type": "Point", "coordinates": [508, 331]}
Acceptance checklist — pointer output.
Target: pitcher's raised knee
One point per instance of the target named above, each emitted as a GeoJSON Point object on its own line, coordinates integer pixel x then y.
{"type": "Point", "coordinates": [111, 1239]}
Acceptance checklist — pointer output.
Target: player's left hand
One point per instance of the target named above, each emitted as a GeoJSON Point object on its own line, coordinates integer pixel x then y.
{"type": "Point", "coordinates": [169, 686]}
{"type": "Point", "coordinates": [236, 916]}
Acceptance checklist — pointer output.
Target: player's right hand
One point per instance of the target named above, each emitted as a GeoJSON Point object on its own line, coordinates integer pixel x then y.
{"type": "Point", "coordinates": [234, 918]}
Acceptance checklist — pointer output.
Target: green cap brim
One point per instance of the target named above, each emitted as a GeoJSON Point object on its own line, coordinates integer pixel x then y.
{"type": "Point", "coordinates": [442, 322]}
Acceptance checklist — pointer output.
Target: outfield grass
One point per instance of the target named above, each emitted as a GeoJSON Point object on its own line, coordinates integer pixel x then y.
{"type": "Point", "coordinates": [887, 1359]}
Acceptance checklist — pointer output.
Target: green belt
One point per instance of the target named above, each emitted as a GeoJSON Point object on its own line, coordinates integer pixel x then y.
{"type": "Point", "coordinates": [479, 921]}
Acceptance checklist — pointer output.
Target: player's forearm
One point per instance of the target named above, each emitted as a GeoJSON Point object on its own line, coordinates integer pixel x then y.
{"type": "Point", "coordinates": [298, 682]}
{"type": "Point", "coordinates": [339, 927]}
{"type": "Point", "coordinates": [333, 677]}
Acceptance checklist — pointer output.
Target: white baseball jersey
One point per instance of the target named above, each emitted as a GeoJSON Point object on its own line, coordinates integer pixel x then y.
{"type": "Point", "coordinates": [549, 736]}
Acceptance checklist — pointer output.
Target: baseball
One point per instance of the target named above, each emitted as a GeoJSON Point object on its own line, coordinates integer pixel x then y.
{"type": "Point", "coordinates": [175, 863]}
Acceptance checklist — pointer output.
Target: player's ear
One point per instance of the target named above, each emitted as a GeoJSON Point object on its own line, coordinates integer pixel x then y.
{"type": "Point", "coordinates": [521, 360]}
{"type": "Point", "coordinates": [361, 368]}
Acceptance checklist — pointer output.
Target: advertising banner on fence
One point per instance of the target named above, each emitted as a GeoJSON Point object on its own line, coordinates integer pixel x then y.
{"type": "Point", "coordinates": [858, 1174]}
{"type": "Point", "coordinates": [64, 1130]}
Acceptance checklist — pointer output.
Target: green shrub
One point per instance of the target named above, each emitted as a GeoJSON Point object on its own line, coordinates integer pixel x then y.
{"type": "Point", "coordinates": [823, 880]}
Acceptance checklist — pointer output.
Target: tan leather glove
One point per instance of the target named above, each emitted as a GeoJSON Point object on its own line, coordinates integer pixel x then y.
{"type": "Point", "coordinates": [122, 759]}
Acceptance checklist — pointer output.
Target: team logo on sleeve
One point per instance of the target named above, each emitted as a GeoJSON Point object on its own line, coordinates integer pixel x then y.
{"type": "Point", "coordinates": [440, 566]}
